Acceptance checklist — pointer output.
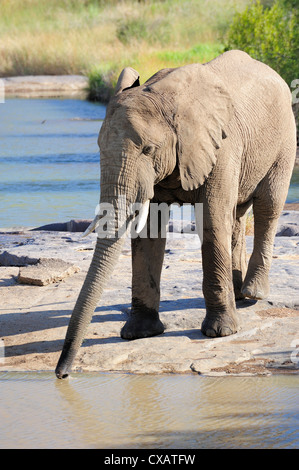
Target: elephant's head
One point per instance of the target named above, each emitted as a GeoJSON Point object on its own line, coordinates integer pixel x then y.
{"type": "Point", "coordinates": [174, 122]}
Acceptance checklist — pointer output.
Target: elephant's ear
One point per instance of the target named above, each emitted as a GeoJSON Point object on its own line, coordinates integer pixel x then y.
{"type": "Point", "coordinates": [202, 113]}
{"type": "Point", "coordinates": [129, 78]}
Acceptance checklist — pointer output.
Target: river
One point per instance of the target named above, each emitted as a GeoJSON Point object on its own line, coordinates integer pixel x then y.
{"type": "Point", "coordinates": [124, 411]}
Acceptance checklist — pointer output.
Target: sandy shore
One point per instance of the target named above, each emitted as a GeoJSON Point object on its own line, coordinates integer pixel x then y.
{"type": "Point", "coordinates": [34, 318]}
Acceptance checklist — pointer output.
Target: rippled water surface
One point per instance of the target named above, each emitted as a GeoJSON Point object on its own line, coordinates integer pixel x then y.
{"type": "Point", "coordinates": [49, 161]}
{"type": "Point", "coordinates": [99, 410]}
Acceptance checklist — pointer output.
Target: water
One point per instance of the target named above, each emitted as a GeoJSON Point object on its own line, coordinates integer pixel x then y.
{"type": "Point", "coordinates": [49, 161]}
{"type": "Point", "coordinates": [97, 410]}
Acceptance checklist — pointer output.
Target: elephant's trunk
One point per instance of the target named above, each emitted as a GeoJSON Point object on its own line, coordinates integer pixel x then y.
{"type": "Point", "coordinates": [106, 254]}
{"type": "Point", "coordinates": [118, 189]}
{"type": "Point", "coordinates": [104, 260]}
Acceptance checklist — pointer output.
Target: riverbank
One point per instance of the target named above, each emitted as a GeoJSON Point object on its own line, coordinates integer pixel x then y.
{"type": "Point", "coordinates": [46, 86]}
{"type": "Point", "coordinates": [34, 318]}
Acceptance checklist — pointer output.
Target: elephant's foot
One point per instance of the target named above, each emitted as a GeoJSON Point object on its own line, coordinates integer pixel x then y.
{"type": "Point", "coordinates": [257, 289]}
{"type": "Point", "coordinates": [142, 325]}
{"type": "Point", "coordinates": [219, 325]}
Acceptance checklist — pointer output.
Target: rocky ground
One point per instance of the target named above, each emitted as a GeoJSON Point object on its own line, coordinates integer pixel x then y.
{"type": "Point", "coordinates": [41, 273]}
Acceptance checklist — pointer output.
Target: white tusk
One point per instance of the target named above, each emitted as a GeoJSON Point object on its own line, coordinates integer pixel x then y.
{"type": "Point", "coordinates": [92, 226]}
{"type": "Point", "coordinates": [198, 211]}
{"type": "Point", "coordinates": [142, 217]}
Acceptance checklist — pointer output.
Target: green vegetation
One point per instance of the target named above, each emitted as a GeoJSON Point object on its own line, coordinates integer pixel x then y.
{"type": "Point", "coordinates": [98, 38]}
{"type": "Point", "coordinates": [199, 53]}
{"type": "Point", "coordinates": [270, 34]}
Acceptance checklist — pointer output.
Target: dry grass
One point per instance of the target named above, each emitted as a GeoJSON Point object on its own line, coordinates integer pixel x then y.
{"type": "Point", "coordinates": [99, 38]}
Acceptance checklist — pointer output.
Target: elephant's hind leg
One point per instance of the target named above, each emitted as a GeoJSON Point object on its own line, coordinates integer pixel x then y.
{"type": "Point", "coordinates": [256, 283]}
{"type": "Point", "coordinates": [147, 260]}
{"type": "Point", "coordinates": [267, 206]}
{"type": "Point", "coordinates": [239, 264]}
{"type": "Point", "coordinates": [221, 315]}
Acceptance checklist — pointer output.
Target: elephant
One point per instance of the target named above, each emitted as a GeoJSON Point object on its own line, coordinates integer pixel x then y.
{"type": "Point", "coordinates": [221, 134]}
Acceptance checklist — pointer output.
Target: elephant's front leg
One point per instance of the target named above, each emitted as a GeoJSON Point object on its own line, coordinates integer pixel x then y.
{"type": "Point", "coordinates": [147, 260]}
{"type": "Point", "coordinates": [221, 315]}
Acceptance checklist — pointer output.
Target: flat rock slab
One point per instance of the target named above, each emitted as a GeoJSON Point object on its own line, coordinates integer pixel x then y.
{"type": "Point", "coordinates": [46, 271]}
{"type": "Point", "coordinates": [34, 319]}
{"type": "Point", "coordinates": [44, 85]}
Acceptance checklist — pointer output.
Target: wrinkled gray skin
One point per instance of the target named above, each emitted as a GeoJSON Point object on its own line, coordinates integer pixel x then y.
{"type": "Point", "coordinates": [223, 134]}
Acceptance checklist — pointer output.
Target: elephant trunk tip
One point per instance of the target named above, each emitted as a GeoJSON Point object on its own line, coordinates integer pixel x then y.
{"type": "Point", "coordinates": [62, 370]}
{"type": "Point", "coordinates": [61, 375]}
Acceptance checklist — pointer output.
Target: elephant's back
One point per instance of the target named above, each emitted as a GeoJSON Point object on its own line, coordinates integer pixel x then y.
{"type": "Point", "coordinates": [244, 75]}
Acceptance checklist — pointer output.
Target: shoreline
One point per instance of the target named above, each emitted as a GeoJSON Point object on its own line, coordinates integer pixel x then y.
{"type": "Point", "coordinates": [46, 86]}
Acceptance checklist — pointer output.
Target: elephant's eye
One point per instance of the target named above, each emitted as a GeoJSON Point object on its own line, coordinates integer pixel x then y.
{"type": "Point", "coordinates": [148, 150]}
